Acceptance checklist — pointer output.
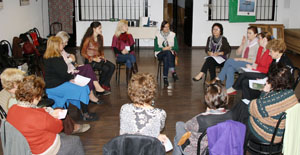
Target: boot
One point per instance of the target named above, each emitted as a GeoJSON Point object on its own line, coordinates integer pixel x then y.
{"type": "Point", "coordinates": [166, 82]}
{"type": "Point", "coordinates": [134, 68]}
{"type": "Point", "coordinates": [128, 74]}
{"type": "Point", "coordinates": [175, 77]}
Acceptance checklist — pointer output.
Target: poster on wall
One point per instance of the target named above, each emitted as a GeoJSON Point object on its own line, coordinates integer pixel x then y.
{"type": "Point", "coordinates": [234, 9]}
{"type": "Point", "coordinates": [1, 4]}
{"type": "Point", "coordinates": [246, 7]}
{"type": "Point", "coordinates": [24, 2]}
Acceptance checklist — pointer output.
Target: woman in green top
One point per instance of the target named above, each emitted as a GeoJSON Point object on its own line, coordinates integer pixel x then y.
{"type": "Point", "coordinates": [166, 48]}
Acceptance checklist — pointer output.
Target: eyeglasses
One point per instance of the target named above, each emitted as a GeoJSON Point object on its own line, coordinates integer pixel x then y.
{"type": "Point", "coordinates": [216, 29]}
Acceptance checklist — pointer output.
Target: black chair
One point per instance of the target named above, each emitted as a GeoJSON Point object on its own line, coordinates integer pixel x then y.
{"type": "Point", "coordinates": [6, 57]}
{"type": "Point", "coordinates": [256, 147]}
{"type": "Point", "coordinates": [129, 144]}
{"type": "Point", "coordinates": [55, 27]}
{"type": "Point", "coordinates": [296, 75]}
{"type": "Point", "coordinates": [118, 70]}
{"type": "Point", "coordinates": [3, 114]}
{"type": "Point", "coordinates": [160, 65]}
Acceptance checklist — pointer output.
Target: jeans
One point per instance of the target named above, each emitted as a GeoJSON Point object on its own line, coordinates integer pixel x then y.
{"type": "Point", "coordinates": [168, 59]}
{"type": "Point", "coordinates": [230, 67]}
{"type": "Point", "coordinates": [129, 59]}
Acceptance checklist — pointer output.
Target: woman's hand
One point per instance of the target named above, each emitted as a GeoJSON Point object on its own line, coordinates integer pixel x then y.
{"type": "Point", "coordinates": [96, 59]}
{"type": "Point", "coordinates": [55, 113]}
{"type": "Point", "coordinates": [162, 137]}
{"type": "Point", "coordinates": [209, 53]}
{"type": "Point", "coordinates": [167, 48]}
{"type": "Point", "coordinates": [249, 66]}
{"type": "Point", "coordinates": [124, 51]}
{"type": "Point", "coordinates": [238, 59]}
{"type": "Point", "coordinates": [72, 56]}
{"type": "Point", "coordinates": [216, 54]}
{"type": "Point", "coordinates": [243, 40]}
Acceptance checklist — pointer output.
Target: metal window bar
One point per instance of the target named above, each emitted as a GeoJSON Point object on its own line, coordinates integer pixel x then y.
{"type": "Point", "coordinates": [266, 10]}
{"type": "Point", "coordinates": [105, 10]}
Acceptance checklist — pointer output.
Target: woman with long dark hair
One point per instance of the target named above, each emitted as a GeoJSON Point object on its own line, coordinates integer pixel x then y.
{"type": "Point", "coordinates": [92, 50]}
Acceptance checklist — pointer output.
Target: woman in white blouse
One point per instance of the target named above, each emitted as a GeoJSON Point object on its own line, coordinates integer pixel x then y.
{"type": "Point", "coordinates": [140, 117]}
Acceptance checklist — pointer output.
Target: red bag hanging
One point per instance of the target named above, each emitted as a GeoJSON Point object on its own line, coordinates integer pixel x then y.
{"type": "Point", "coordinates": [34, 38]}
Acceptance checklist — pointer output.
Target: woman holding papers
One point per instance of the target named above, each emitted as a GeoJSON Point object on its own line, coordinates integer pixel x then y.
{"type": "Point", "coordinates": [274, 51]}
{"type": "Point", "coordinates": [60, 84]}
{"type": "Point", "coordinates": [257, 70]}
{"type": "Point", "coordinates": [84, 70]}
{"type": "Point", "coordinates": [140, 117]}
{"type": "Point", "coordinates": [248, 50]}
{"type": "Point", "coordinates": [123, 47]}
{"type": "Point", "coordinates": [41, 127]}
{"type": "Point", "coordinates": [166, 48]}
{"type": "Point", "coordinates": [217, 48]}
{"type": "Point", "coordinates": [92, 50]}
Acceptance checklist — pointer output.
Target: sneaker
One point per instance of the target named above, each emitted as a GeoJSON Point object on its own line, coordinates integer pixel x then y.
{"type": "Point", "coordinates": [175, 77]}
{"type": "Point", "coordinates": [166, 82]}
{"type": "Point", "coordinates": [231, 91]}
{"type": "Point", "coordinates": [82, 128]}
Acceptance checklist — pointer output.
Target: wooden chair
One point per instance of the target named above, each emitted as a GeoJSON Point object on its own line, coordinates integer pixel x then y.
{"type": "Point", "coordinates": [270, 28]}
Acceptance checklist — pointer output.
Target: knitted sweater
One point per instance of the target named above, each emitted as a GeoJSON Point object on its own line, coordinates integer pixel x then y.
{"type": "Point", "coordinates": [265, 112]}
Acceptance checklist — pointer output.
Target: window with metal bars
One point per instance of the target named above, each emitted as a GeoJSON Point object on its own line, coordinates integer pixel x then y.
{"type": "Point", "coordinates": [266, 10]}
{"type": "Point", "coordinates": [104, 10]}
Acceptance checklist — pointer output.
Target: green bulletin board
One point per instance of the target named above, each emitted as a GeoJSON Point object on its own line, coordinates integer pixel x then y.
{"type": "Point", "coordinates": [234, 18]}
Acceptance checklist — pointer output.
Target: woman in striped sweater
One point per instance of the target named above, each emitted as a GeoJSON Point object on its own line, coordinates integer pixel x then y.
{"type": "Point", "coordinates": [278, 96]}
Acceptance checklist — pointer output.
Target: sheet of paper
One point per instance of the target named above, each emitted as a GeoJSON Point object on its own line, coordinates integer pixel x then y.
{"type": "Point", "coordinates": [257, 84]}
{"type": "Point", "coordinates": [249, 70]}
{"type": "Point", "coordinates": [81, 80]}
{"type": "Point", "coordinates": [168, 145]}
{"type": "Point", "coordinates": [246, 101]}
{"type": "Point", "coordinates": [218, 59]}
{"type": "Point", "coordinates": [62, 114]}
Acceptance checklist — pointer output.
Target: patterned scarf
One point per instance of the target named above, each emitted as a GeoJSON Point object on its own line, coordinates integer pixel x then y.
{"type": "Point", "coordinates": [165, 36]}
{"type": "Point", "coordinates": [215, 44]}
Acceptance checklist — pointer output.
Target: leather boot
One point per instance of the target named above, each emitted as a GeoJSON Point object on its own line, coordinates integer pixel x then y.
{"type": "Point", "coordinates": [134, 68]}
{"type": "Point", "coordinates": [128, 74]}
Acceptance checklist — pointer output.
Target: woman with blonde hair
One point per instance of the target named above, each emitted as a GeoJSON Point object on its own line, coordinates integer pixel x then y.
{"type": "Point", "coordinates": [10, 79]}
{"type": "Point", "coordinates": [92, 50]}
{"type": "Point", "coordinates": [123, 46]}
{"type": "Point", "coordinates": [60, 84]}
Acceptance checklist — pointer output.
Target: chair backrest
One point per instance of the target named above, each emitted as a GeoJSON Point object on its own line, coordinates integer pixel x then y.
{"type": "Point", "coordinates": [129, 144]}
{"type": "Point", "coordinates": [55, 27]}
{"type": "Point", "coordinates": [13, 142]}
{"type": "Point", "coordinates": [296, 75]}
{"type": "Point", "coordinates": [5, 48]}
{"type": "Point", "coordinates": [282, 116]}
{"type": "Point", "coordinates": [2, 113]}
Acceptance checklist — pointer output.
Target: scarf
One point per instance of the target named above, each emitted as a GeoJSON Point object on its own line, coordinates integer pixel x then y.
{"type": "Point", "coordinates": [26, 104]}
{"type": "Point", "coordinates": [215, 44]}
{"type": "Point", "coordinates": [165, 36]}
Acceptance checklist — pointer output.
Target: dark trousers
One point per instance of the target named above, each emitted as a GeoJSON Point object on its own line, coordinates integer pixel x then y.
{"type": "Point", "coordinates": [242, 83]}
{"type": "Point", "coordinates": [107, 70]}
{"type": "Point", "coordinates": [168, 59]}
{"type": "Point", "coordinates": [210, 64]}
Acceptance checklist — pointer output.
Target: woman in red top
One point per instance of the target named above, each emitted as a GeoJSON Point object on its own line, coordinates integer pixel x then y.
{"type": "Point", "coordinates": [40, 127]}
{"type": "Point", "coordinates": [262, 63]}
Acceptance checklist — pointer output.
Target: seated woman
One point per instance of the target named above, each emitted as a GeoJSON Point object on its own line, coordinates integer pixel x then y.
{"type": "Point", "coordinates": [248, 50]}
{"type": "Point", "coordinates": [262, 63]}
{"type": "Point", "coordinates": [217, 45]}
{"type": "Point", "coordinates": [166, 48]}
{"type": "Point", "coordinates": [123, 47]}
{"type": "Point", "coordinates": [216, 100]}
{"type": "Point", "coordinates": [278, 96]}
{"type": "Point", "coordinates": [10, 79]}
{"type": "Point", "coordinates": [84, 70]}
{"type": "Point", "coordinates": [140, 117]}
{"type": "Point", "coordinates": [92, 50]}
{"type": "Point", "coordinates": [40, 128]}
{"type": "Point", "coordinates": [60, 84]}
{"type": "Point", "coordinates": [277, 49]}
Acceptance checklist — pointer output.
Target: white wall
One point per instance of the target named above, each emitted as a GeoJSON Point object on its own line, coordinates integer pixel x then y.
{"type": "Point", "coordinates": [287, 15]}
{"type": "Point", "coordinates": [16, 19]}
{"type": "Point", "coordinates": [108, 28]}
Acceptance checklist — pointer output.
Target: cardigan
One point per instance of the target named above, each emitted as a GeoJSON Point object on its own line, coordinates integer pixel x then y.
{"type": "Point", "coordinates": [263, 60]}
{"type": "Point", "coordinates": [119, 43]}
{"type": "Point", "coordinates": [265, 112]}
{"type": "Point", "coordinates": [252, 49]}
{"type": "Point", "coordinates": [172, 41]}
{"type": "Point", "coordinates": [37, 126]}
{"type": "Point", "coordinates": [90, 47]}
{"type": "Point", "coordinates": [56, 72]}
{"type": "Point", "coordinates": [224, 48]}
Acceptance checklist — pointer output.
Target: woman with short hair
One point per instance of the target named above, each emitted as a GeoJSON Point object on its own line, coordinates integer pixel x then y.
{"type": "Point", "coordinates": [39, 126]}
{"type": "Point", "coordinates": [140, 117]}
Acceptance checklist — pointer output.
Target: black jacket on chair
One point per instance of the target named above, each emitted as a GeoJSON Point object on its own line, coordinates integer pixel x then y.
{"type": "Point", "coordinates": [133, 145]}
